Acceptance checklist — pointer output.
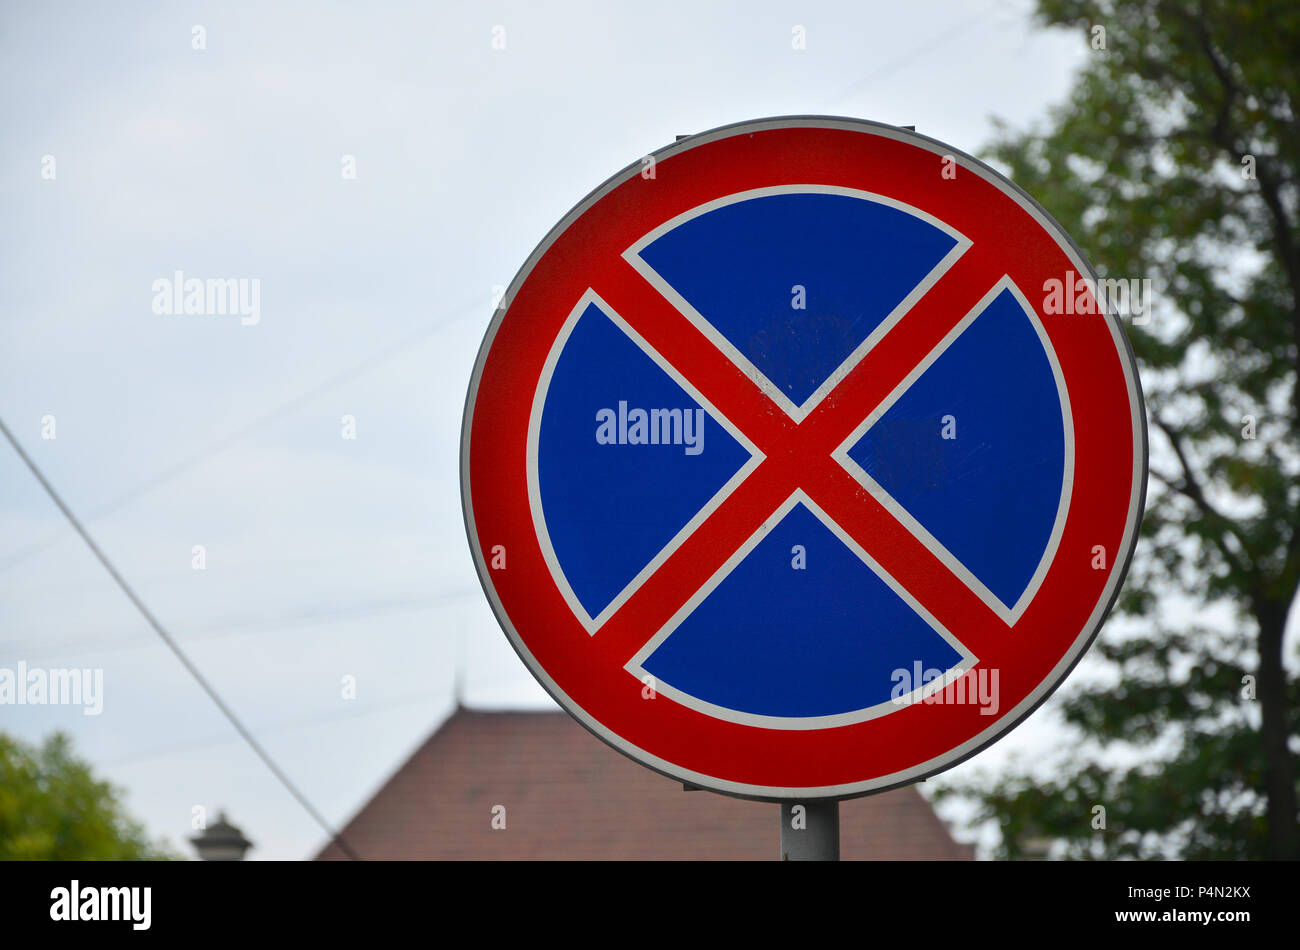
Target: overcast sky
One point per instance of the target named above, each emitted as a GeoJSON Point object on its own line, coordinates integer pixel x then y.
{"type": "Point", "coordinates": [329, 557]}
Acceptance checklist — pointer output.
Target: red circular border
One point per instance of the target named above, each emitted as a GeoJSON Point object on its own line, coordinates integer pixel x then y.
{"type": "Point", "coordinates": [584, 251]}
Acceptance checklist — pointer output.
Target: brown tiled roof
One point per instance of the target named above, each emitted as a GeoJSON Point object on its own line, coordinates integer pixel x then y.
{"type": "Point", "coordinates": [567, 795]}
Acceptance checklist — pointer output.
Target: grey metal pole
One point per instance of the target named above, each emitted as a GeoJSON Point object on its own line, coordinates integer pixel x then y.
{"type": "Point", "coordinates": [810, 831]}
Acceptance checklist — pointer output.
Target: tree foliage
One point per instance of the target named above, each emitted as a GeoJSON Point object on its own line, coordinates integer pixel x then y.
{"type": "Point", "coordinates": [1177, 158]}
{"type": "Point", "coordinates": [52, 808]}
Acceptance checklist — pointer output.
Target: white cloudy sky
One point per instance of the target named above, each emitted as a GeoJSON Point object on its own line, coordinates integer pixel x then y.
{"type": "Point", "coordinates": [328, 557]}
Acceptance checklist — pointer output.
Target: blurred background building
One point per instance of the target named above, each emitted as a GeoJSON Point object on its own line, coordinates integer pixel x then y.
{"type": "Point", "coordinates": [504, 785]}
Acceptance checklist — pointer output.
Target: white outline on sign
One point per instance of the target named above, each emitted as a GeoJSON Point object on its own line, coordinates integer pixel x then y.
{"type": "Point", "coordinates": [951, 675]}
{"type": "Point", "coordinates": [1001, 724]}
{"type": "Point", "coordinates": [592, 624]}
{"type": "Point", "coordinates": [798, 413]}
{"type": "Point", "coordinates": [1009, 614]}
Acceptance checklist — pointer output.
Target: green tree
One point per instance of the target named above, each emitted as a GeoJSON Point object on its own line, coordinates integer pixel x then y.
{"type": "Point", "coordinates": [1177, 158]}
{"type": "Point", "coordinates": [52, 808]}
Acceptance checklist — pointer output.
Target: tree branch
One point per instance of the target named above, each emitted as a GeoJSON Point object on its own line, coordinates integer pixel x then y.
{"type": "Point", "coordinates": [1270, 183]}
{"type": "Point", "coordinates": [1189, 485]}
{"type": "Point", "coordinates": [1270, 191]}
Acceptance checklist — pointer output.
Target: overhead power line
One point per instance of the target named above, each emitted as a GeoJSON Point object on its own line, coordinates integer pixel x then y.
{"type": "Point", "coordinates": [375, 359]}
{"type": "Point", "coordinates": [913, 55]}
{"type": "Point", "coordinates": [63, 648]}
{"type": "Point", "coordinates": [175, 648]}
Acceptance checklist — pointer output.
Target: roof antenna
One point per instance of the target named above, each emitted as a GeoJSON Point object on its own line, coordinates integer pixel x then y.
{"type": "Point", "coordinates": [458, 672]}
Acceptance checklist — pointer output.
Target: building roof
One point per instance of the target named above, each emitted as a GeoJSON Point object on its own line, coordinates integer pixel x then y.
{"type": "Point", "coordinates": [568, 796]}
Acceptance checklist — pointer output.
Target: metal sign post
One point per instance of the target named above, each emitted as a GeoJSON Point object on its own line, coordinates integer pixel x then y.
{"type": "Point", "coordinates": [810, 831]}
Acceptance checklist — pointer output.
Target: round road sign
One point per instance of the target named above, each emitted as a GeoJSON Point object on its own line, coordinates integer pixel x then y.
{"type": "Point", "coordinates": [798, 460]}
